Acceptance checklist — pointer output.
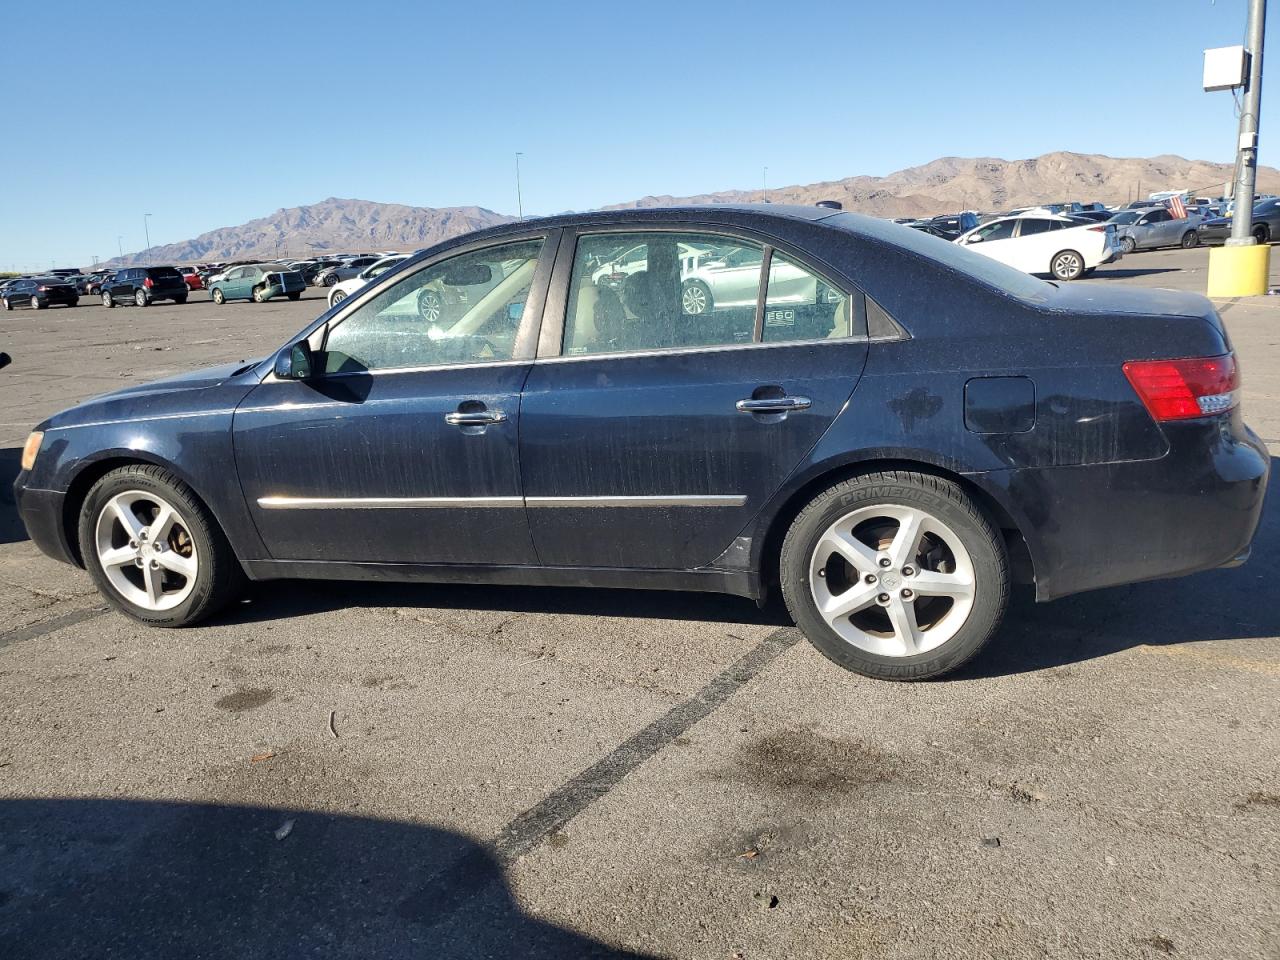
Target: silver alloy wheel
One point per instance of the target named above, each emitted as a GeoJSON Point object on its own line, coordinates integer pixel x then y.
{"type": "Point", "coordinates": [429, 306]}
{"type": "Point", "coordinates": [146, 550]}
{"type": "Point", "coordinates": [694, 299]}
{"type": "Point", "coordinates": [106, 299]}
{"type": "Point", "coordinates": [338, 297]}
{"type": "Point", "coordinates": [1067, 266]}
{"type": "Point", "coordinates": [140, 298]}
{"type": "Point", "coordinates": [892, 580]}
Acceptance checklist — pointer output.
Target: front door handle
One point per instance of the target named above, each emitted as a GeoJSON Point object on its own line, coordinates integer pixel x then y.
{"type": "Point", "coordinates": [475, 418]}
{"type": "Point", "coordinates": [773, 404]}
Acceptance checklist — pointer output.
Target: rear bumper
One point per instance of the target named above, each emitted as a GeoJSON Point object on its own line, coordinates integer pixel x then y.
{"type": "Point", "coordinates": [1196, 508]}
{"type": "Point", "coordinates": [41, 513]}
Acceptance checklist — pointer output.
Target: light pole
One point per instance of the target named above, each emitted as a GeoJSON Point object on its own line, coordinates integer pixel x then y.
{"type": "Point", "coordinates": [1247, 145]}
{"type": "Point", "coordinates": [519, 198]}
{"type": "Point", "coordinates": [1242, 266]}
{"type": "Point", "coordinates": [147, 233]}
{"type": "Point", "coordinates": [764, 179]}
{"type": "Point", "coordinates": [119, 246]}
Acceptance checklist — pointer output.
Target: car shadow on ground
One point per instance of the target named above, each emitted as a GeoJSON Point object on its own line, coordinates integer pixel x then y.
{"type": "Point", "coordinates": [141, 880]}
{"type": "Point", "coordinates": [11, 528]}
{"type": "Point", "coordinates": [1126, 272]}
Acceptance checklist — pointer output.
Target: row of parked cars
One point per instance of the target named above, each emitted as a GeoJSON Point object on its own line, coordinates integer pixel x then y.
{"type": "Point", "coordinates": [1070, 240]}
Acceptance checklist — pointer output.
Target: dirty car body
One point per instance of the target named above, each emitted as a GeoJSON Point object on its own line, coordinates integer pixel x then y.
{"type": "Point", "coordinates": [559, 433]}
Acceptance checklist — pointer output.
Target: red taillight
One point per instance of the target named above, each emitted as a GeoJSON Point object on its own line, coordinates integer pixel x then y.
{"type": "Point", "coordinates": [1186, 389]}
{"type": "Point", "coordinates": [1097, 229]}
{"type": "Point", "coordinates": [42, 289]}
{"type": "Point", "coordinates": [147, 283]}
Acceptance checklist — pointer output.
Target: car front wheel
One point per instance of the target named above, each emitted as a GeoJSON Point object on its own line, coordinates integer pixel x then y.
{"type": "Point", "coordinates": [107, 300]}
{"type": "Point", "coordinates": [218, 296]}
{"type": "Point", "coordinates": [895, 575]}
{"type": "Point", "coordinates": [153, 549]}
{"type": "Point", "coordinates": [1190, 239]}
{"type": "Point", "coordinates": [695, 298]}
{"type": "Point", "coordinates": [1066, 265]}
{"type": "Point", "coordinates": [258, 295]}
{"type": "Point", "coordinates": [337, 297]}
{"type": "Point", "coordinates": [1128, 245]}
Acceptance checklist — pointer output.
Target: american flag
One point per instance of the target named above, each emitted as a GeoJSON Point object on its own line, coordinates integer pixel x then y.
{"type": "Point", "coordinates": [1177, 208]}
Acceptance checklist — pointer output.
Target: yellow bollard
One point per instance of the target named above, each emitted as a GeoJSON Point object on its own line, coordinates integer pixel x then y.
{"type": "Point", "coordinates": [1239, 271]}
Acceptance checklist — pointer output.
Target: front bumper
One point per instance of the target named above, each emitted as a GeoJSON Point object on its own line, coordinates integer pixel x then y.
{"type": "Point", "coordinates": [41, 513]}
{"type": "Point", "coordinates": [1194, 509]}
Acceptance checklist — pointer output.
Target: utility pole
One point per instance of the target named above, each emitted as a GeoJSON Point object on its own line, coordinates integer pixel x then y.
{"type": "Point", "coordinates": [519, 198]}
{"type": "Point", "coordinates": [148, 236]}
{"type": "Point", "coordinates": [119, 247]}
{"type": "Point", "coordinates": [1247, 145]}
{"type": "Point", "coordinates": [764, 179]}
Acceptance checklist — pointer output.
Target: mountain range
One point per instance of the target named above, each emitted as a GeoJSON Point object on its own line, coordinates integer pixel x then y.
{"type": "Point", "coordinates": [945, 185]}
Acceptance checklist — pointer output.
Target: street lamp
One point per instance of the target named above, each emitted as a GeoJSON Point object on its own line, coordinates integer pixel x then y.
{"type": "Point", "coordinates": [119, 246]}
{"type": "Point", "coordinates": [147, 233]}
{"type": "Point", "coordinates": [519, 198]}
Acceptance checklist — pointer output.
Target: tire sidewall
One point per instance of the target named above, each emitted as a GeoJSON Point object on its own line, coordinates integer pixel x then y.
{"type": "Point", "coordinates": [1053, 264]}
{"type": "Point", "coordinates": [196, 521]}
{"type": "Point", "coordinates": [218, 296]}
{"type": "Point", "coordinates": [980, 539]}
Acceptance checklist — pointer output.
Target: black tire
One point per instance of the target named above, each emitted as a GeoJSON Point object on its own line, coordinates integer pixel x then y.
{"type": "Point", "coordinates": [1190, 239]}
{"type": "Point", "coordinates": [7, 304]}
{"type": "Point", "coordinates": [1066, 265]}
{"type": "Point", "coordinates": [35, 304]}
{"type": "Point", "coordinates": [696, 299]}
{"type": "Point", "coordinates": [218, 296]}
{"type": "Point", "coordinates": [1262, 233]}
{"type": "Point", "coordinates": [140, 298]}
{"type": "Point", "coordinates": [257, 295]}
{"type": "Point", "coordinates": [108, 301]}
{"type": "Point", "coordinates": [179, 299]}
{"type": "Point", "coordinates": [939, 497]}
{"type": "Point", "coordinates": [219, 577]}
{"type": "Point", "coordinates": [330, 279]}
{"type": "Point", "coordinates": [337, 297]}
{"type": "Point", "coordinates": [294, 296]}
{"type": "Point", "coordinates": [1128, 245]}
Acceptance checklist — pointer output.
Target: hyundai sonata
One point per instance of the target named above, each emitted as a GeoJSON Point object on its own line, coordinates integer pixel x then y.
{"type": "Point", "coordinates": [893, 454]}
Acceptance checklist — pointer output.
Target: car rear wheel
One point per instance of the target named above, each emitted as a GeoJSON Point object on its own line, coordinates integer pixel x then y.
{"type": "Point", "coordinates": [1066, 265]}
{"type": "Point", "coordinates": [218, 296]}
{"type": "Point", "coordinates": [337, 297]}
{"type": "Point", "coordinates": [35, 303]}
{"type": "Point", "coordinates": [1190, 239]}
{"type": "Point", "coordinates": [153, 549]}
{"type": "Point", "coordinates": [895, 575]}
{"type": "Point", "coordinates": [430, 306]}
{"type": "Point", "coordinates": [294, 296]}
{"type": "Point", "coordinates": [695, 298]}
{"type": "Point", "coordinates": [107, 300]}
{"type": "Point", "coordinates": [257, 295]}
{"type": "Point", "coordinates": [7, 304]}
{"type": "Point", "coordinates": [330, 279]}
{"type": "Point", "coordinates": [179, 299]}
{"type": "Point", "coordinates": [1128, 244]}
{"type": "Point", "coordinates": [141, 299]}
{"type": "Point", "coordinates": [1262, 233]}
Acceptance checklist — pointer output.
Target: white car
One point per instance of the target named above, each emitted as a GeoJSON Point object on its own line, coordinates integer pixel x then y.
{"type": "Point", "coordinates": [1064, 248]}
{"type": "Point", "coordinates": [343, 289]}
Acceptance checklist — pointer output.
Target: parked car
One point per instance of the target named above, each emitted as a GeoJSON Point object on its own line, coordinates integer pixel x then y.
{"type": "Point", "coordinates": [315, 267]}
{"type": "Point", "coordinates": [876, 458]}
{"type": "Point", "coordinates": [258, 282]}
{"type": "Point", "coordinates": [1266, 224]}
{"type": "Point", "coordinates": [1092, 216]}
{"type": "Point", "coordinates": [343, 271]}
{"type": "Point", "coordinates": [144, 286]}
{"type": "Point", "coordinates": [91, 284]}
{"type": "Point", "coordinates": [1058, 246]}
{"type": "Point", "coordinates": [1150, 229]}
{"type": "Point", "coordinates": [40, 292]}
{"type": "Point", "coordinates": [951, 226]}
{"type": "Point", "coordinates": [191, 276]}
{"type": "Point", "coordinates": [343, 289]}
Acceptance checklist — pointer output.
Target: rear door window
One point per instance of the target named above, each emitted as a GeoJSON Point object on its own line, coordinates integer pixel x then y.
{"type": "Point", "coordinates": [1032, 226]}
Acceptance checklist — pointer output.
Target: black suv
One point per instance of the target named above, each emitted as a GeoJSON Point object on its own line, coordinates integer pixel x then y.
{"type": "Point", "coordinates": [39, 292]}
{"type": "Point", "coordinates": [144, 286]}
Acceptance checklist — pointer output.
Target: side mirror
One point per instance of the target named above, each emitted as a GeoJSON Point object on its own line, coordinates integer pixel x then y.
{"type": "Point", "coordinates": [294, 362]}
{"type": "Point", "coordinates": [976, 238]}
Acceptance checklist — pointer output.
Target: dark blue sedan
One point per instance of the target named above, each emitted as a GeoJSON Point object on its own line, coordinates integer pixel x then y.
{"type": "Point", "coordinates": [890, 429]}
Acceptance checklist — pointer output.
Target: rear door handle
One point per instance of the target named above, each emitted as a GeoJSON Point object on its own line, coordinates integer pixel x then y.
{"type": "Point", "coordinates": [475, 418]}
{"type": "Point", "coordinates": [774, 404]}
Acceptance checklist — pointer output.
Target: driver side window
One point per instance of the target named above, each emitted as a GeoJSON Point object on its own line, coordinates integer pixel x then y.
{"type": "Point", "coordinates": [466, 309]}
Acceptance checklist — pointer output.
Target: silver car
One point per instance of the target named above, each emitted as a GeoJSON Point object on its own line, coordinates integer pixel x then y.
{"type": "Point", "coordinates": [1148, 228]}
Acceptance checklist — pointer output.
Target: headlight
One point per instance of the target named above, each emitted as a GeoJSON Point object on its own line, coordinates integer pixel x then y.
{"type": "Point", "coordinates": [30, 449]}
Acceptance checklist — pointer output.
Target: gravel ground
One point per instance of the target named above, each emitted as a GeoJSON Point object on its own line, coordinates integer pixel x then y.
{"type": "Point", "coordinates": [363, 770]}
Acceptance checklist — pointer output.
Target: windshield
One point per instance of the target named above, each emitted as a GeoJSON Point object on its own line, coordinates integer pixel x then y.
{"type": "Point", "coordinates": [1006, 279]}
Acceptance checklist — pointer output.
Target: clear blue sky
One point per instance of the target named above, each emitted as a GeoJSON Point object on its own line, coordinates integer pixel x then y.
{"type": "Point", "coordinates": [232, 110]}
